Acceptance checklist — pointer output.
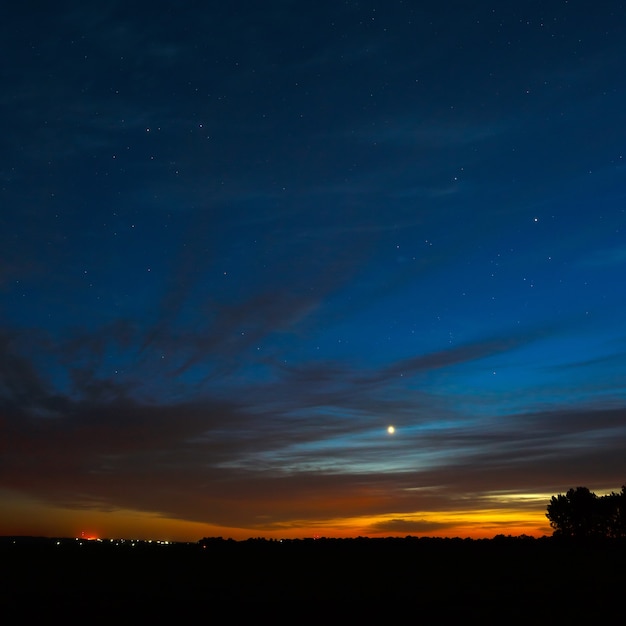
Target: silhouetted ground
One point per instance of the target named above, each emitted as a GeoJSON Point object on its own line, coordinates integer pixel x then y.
{"type": "Point", "coordinates": [353, 581]}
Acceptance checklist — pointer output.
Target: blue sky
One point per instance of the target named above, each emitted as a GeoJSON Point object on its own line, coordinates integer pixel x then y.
{"type": "Point", "coordinates": [241, 240]}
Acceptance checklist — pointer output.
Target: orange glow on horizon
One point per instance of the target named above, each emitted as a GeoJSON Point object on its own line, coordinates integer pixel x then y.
{"type": "Point", "coordinates": [23, 516]}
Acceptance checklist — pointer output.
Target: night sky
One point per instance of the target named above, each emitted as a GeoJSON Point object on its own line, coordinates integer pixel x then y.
{"type": "Point", "coordinates": [239, 240]}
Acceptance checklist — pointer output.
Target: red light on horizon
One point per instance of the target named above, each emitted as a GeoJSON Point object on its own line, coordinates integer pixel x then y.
{"type": "Point", "coordinates": [89, 537]}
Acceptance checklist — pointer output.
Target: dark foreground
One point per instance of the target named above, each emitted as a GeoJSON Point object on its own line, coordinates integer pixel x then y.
{"type": "Point", "coordinates": [357, 581]}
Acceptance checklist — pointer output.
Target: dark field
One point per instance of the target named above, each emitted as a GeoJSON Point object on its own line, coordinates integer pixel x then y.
{"type": "Point", "coordinates": [357, 581]}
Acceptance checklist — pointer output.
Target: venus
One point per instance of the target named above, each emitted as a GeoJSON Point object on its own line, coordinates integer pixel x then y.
{"type": "Point", "coordinates": [391, 430]}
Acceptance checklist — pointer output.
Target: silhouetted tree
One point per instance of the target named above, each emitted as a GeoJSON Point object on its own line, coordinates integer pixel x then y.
{"type": "Point", "coordinates": [614, 510]}
{"type": "Point", "coordinates": [581, 513]}
{"type": "Point", "coordinates": [620, 517]}
{"type": "Point", "coordinates": [571, 514]}
{"type": "Point", "coordinates": [559, 514]}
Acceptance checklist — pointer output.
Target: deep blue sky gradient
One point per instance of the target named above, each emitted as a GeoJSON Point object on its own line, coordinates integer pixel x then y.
{"type": "Point", "coordinates": [240, 239]}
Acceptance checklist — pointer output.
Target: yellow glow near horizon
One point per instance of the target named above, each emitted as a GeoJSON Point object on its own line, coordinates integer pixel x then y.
{"type": "Point", "coordinates": [470, 523]}
{"type": "Point", "coordinates": [24, 516]}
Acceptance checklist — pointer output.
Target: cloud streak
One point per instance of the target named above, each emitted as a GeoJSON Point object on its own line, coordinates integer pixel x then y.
{"type": "Point", "coordinates": [307, 443]}
{"type": "Point", "coordinates": [238, 245]}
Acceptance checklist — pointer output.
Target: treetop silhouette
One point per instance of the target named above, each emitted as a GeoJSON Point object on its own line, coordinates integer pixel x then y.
{"type": "Point", "coordinates": [580, 513]}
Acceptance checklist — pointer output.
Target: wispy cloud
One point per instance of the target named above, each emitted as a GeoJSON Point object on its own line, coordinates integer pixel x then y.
{"type": "Point", "coordinates": [309, 443]}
